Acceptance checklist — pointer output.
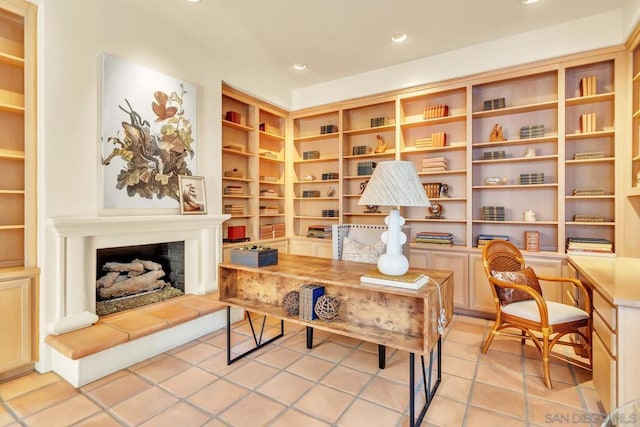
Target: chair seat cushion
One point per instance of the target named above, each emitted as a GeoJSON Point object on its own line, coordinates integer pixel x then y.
{"type": "Point", "coordinates": [354, 251]}
{"type": "Point", "coordinates": [558, 313]}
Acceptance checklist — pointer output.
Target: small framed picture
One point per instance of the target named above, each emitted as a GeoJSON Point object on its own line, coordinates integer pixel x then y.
{"type": "Point", "coordinates": [192, 195]}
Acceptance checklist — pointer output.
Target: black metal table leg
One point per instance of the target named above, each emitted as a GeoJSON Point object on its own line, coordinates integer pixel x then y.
{"type": "Point", "coordinates": [429, 392]}
{"type": "Point", "coordinates": [309, 337]}
{"type": "Point", "coordinates": [382, 356]}
{"type": "Point", "coordinates": [256, 338]}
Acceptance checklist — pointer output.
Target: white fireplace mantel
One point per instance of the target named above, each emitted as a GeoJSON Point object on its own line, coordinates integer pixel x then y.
{"type": "Point", "coordinates": [78, 239]}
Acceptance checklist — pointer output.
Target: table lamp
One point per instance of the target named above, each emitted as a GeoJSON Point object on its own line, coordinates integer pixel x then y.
{"type": "Point", "coordinates": [394, 183]}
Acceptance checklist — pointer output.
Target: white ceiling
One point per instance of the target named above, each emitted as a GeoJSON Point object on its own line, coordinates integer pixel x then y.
{"type": "Point", "coordinates": [338, 38]}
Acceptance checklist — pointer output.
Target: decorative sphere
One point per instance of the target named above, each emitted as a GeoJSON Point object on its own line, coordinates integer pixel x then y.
{"type": "Point", "coordinates": [291, 303]}
{"type": "Point", "coordinates": [327, 308]}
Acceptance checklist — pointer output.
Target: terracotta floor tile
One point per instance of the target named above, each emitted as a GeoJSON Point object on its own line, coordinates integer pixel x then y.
{"type": "Point", "coordinates": [105, 380]}
{"type": "Point", "coordinates": [362, 360]}
{"type": "Point", "coordinates": [218, 396]}
{"type": "Point", "coordinates": [64, 414]}
{"type": "Point", "coordinates": [324, 403]}
{"type": "Point", "coordinates": [559, 372]}
{"type": "Point", "coordinates": [5, 417]}
{"type": "Point", "coordinates": [101, 419]}
{"type": "Point", "coordinates": [181, 414]}
{"type": "Point", "coordinates": [199, 352]}
{"type": "Point", "coordinates": [561, 393]}
{"type": "Point", "coordinates": [286, 387]}
{"type": "Point", "coordinates": [188, 381]}
{"type": "Point", "coordinates": [136, 323]}
{"type": "Point", "coordinates": [279, 357]}
{"type": "Point", "coordinates": [297, 342]}
{"type": "Point", "coordinates": [387, 393]}
{"type": "Point", "coordinates": [163, 369]}
{"type": "Point", "coordinates": [396, 370]}
{"type": "Point", "coordinates": [366, 414]}
{"type": "Point", "coordinates": [173, 314]}
{"type": "Point", "coordinates": [460, 367]}
{"type": "Point", "coordinates": [341, 339]}
{"type": "Point", "coordinates": [498, 399]}
{"type": "Point", "coordinates": [292, 417]}
{"type": "Point", "coordinates": [221, 340]}
{"type": "Point", "coordinates": [370, 347]}
{"type": "Point", "coordinates": [25, 384]}
{"type": "Point", "coordinates": [455, 388]}
{"type": "Point", "coordinates": [29, 403]}
{"type": "Point", "coordinates": [119, 390]}
{"type": "Point", "coordinates": [462, 351]}
{"type": "Point", "coordinates": [500, 377]}
{"type": "Point", "coordinates": [218, 364]}
{"type": "Point", "coordinates": [347, 379]}
{"type": "Point", "coordinates": [253, 410]}
{"type": "Point", "coordinates": [144, 406]}
{"type": "Point", "coordinates": [468, 338]}
{"type": "Point", "coordinates": [310, 367]}
{"type": "Point", "coordinates": [252, 375]}
{"type": "Point", "coordinates": [445, 412]}
{"type": "Point", "coordinates": [330, 351]}
{"type": "Point", "coordinates": [545, 412]}
{"type": "Point", "coordinates": [502, 360]}
{"type": "Point", "coordinates": [483, 417]}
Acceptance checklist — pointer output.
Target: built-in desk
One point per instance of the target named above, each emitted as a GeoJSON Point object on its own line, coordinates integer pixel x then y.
{"type": "Point", "coordinates": [388, 316]}
{"type": "Point", "coordinates": [615, 283]}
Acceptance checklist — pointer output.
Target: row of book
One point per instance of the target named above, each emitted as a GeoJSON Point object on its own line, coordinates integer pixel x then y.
{"type": "Point", "coordinates": [269, 210]}
{"type": "Point", "coordinates": [588, 192]}
{"type": "Point", "coordinates": [330, 175]}
{"type": "Point", "coordinates": [494, 104]}
{"type": "Point", "coordinates": [589, 245]}
{"type": "Point", "coordinates": [234, 209]}
{"type": "Point", "coordinates": [330, 213]}
{"type": "Point", "coordinates": [588, 218]}
{"type": "Point", "coordinates": [381, 121]}
{"type": "Point", "coordinates": [310, 193]}
{"type": "Point", "coordinates": [269, 193]}
{"type": "Point", "coordinates": [483, 239]}
{"type": "Point", "coordinates": [531, 131]}
{"type": "Point", "coordinates": [589, 155]}
{"type": "Point", "coordinates": [493, 155]}
{"type": "Point", "coordinates": [493, 213]}
{"type": "Point", "coordinates": [435, 237]}
{"type": "Point", "coordinates": [358, 150]}
{"type": "Point", "coordinates": [366, 168]}
{"type": "Point", "coordinates": [587, 122]}
{"type": "Point", "coordinates": [531, 178]}
{"type": "Point", "coordinates": [435, 164]}
{"type": "Point", "coordinates": [308, 297]}
{"type": "Point", "coordinates": [588, 86]}
{"type": "Point", "coordinates": [319, 231]}
{"type": "Point", "coordinates": [435, 111]}
{"type": "Point", "coordinates": [271, 231]}
{"type": "Point", "coordinates": [233, 190]}
{"type": "Point", "coordinates": [325, 129]}
{"type": "Point", "coordinates": [311, 155]}
{"type": "Point", "coordinates": [437, 139]}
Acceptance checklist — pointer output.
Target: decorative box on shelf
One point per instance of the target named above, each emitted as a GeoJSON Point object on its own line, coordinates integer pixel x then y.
{"type": "Point", "coordinates": [254, 256]}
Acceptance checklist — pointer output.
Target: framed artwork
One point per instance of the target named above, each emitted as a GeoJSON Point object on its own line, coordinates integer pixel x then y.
{"type": "Point", "coordinates": [192, 195]}
{"type": "Point", "coordinates": [148, 123]}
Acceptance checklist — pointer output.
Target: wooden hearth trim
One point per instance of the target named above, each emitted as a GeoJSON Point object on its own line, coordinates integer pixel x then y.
{"type": "Point", "coordinates": [118, 328]}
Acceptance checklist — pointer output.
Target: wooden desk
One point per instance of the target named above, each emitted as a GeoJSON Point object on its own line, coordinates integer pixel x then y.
{"type": "Point", "coordinates": [615, 283]}
{"type": "Point", "coordinates": [388, 316]}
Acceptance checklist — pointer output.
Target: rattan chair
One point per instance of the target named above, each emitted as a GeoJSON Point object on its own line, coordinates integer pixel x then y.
{"type": "Point", "coordinates": [544, 322]}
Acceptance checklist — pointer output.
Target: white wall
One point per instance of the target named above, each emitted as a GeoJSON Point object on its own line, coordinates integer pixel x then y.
{"type": "Point", "coordinates": [576, 36]}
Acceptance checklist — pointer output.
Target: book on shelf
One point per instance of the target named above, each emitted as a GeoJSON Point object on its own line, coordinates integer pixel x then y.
{"type": "Point", "coordinates": [435, 111]}
{"type": "Point", "coordinates": [319, 231]}
{"type": "Point", "coordinates": [410, 280]}
{"type": "Point", "coordinates": [587, 122]}
{"type": "Point", "coordinates": [435, 237]}
{"type": "Point", "coordinates": [588, 244]}
{"type": "Point", "coordinates": [483, 239]}
{"type": "Point", "coordinates": [532, 241]}
{"type": "Point", "coordinates": [588, 86]}
{"type": "Point", "coordinates": [591, 253]}
{"type": "Point", "coordinates": [308, 296]}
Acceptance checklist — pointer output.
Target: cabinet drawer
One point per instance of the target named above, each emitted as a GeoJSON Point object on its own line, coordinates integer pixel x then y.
{"type": "Point", "coordinates": [608, 337]}
{"type": "Point", "coordinates": [606, 310]}
{"type": "Point", "coordinates": [604, 374]}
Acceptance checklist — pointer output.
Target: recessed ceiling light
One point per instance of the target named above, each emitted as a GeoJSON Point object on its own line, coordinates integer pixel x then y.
{"type": "Point", "coordinates": [399, 38]}
{"type": "Point", "coordinates": [194, 1]}
{"type": "Point", "coordinates": [300, 67]}
{"type": "Point", "coordinates": [528, 1]}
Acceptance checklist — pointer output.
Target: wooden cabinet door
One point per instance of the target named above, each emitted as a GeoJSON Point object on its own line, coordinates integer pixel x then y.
{"type": "Point", "coordinates": [480, 295]}
{"type": "Point", "coordinates": [459, 264]}
{"type": "Point", "coordinates": [15, 318]}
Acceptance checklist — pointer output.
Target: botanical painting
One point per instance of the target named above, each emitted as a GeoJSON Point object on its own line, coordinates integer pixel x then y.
{"type": "Point", "coordinates": [148, 135]}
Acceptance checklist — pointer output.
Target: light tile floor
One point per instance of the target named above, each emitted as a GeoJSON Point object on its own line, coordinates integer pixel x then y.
{"type": "Point", "coordinates": [337, 383]}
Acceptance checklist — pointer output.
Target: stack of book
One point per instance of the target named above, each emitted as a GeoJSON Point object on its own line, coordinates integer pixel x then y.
{"type": "Point", "coordinates": [588, 192]}
{"type": "Point", "coordinates": [438, 139]}
{"type": "Point", "coordinates": [308, 296]}
{"type": "Point", "coordinates": [268, 178]}
{"type": "Point", "coordinates": [589, 155]}
{"type": "Point", "coordinates": [310, 155]}
{"type": "Point", "coordinates": [233, 190]}
{"type": "Point", "coordinates": [380, 121]}
{"type": "Point", "coordinates": [268, 193]}
{"type": "Point", "coordinates": [234, 209]}
{"type": "Point", "coordinates": [270, 231]}
{"type": "Point", "coordinates": [359, 150]}
{"type": "Point", "coordinates": [435, 111]}
{"type": "Point", "coordinates": [434, 164]}
{"type": "Point", "coordinates": [531, 131]}
{"type": "Point", "coordinates": [531, 178]}
{"type": "Point", "coordinates": [492, 155]}
{"type": "Point", "coordinates": [329, 175]}
{"type": "Point", "coordinates": [330, 213]}
{"type": "Point", "coordinates": [494, 104]}
{"type": "Point", "coordinates": [409, 280]}
{"type": "Point", "coordinates": [270, 155]}
{"type": "Point", "coordinates": [424, 143]}
{"type": "Point", "coordinates": [588, 122]}
{"type": "Point", "coordinates": [366, 168]}
{"type": "Point", "coordinates": [588, 218]}
{"type": "Point", "coordinates": [435, 237]}
{"type": "Point", "coordinates": [319, 231]}
{"type": "Point", "coordinates": [234, 174]}
{"type": "Point", "coordinates": [269, 210]}
{"type": "Point", "coordinates": [493, 213]}
{"type": "Point", "coordinates": [589, 246]}
{"type": "Point", "coordinates": [324, 129]}
{"type": "Point", "coordinates": [483, 239]}
{"type": "Point", "coordinates": [588, 86]}
{"type": "Point", "coordinates": [310, 193]}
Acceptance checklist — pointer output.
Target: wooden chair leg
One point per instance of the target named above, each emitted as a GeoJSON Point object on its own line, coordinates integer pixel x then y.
{"type": "Point", "coordinates": [523, 340]}
{"type": "Point", "coordinates": [492, 335]}
{"type": "Point", "coordinates": [545, 360]}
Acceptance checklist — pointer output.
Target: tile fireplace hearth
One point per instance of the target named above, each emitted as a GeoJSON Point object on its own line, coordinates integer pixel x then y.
{"type": "Point", "coordinates": [74, 293]}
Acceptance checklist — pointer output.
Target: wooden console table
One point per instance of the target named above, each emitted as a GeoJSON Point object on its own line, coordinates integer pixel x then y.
{"type": "Point", "coordinates": [388, 316]}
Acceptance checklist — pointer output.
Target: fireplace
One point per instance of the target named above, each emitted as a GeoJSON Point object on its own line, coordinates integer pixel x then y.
{"type": "Point", "coordinates": [81, 239]}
